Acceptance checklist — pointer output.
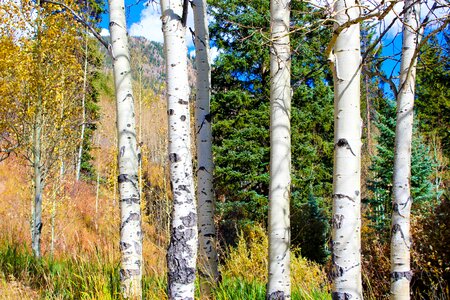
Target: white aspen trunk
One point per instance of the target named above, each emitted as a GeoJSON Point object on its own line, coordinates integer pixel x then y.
{"type": "Point", "coordinates": [38, 180]}
{"type": "Point", "coordinates": [208, 259]}
{"type": "Point", "coordinates": [182, 252]}
{"type": "Point", "coordinates": [38, 189]}
{"type": "Point", "coordinates": [346, 222]}
{"type": "Point", "coordinates": [83, 109]}
{"type": "Point", "coordinates": [401, 273]}
{"type": "Point", "coordinates": [141, 183]}
{"type": "Point", "coordinates": [279, 285]}
{"type": "Point", "coordinates": [130, 228]}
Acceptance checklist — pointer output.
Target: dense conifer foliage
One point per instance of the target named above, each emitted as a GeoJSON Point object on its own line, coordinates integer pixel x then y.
{"type": "Point", "coordinates": [240, 108]}
{"type": "Point", "coordinates": [433, 94]}
{"type": "Point", "coordinates": [379, 183]}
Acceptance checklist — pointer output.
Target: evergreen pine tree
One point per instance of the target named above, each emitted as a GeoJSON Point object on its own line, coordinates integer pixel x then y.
{"type": "Point", "coordinates": [380, 182]}
{"type": "Point", "coordinates": [240, 107]}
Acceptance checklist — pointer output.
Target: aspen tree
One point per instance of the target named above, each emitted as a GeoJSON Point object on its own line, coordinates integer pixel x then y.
{"type": "Point", "coordinates": [346, 220]}
{"type": "Point", "coordinates": [279, 285]}
{"type": "Point", "coordinates": [205, 190]}
{"type": "Point", "coordinates": [83, 108]}
{"type": "Point", "coordinates": [128, 157]}
{"type": "Point", "coordinates": [401, 273]}
{"type": "Point", "coordinates": [182, 252]}
{"type": "Point", "coordinates": [38, 180]}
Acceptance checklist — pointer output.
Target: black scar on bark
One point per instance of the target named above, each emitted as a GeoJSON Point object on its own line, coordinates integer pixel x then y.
{"type": "Point", "coordinates": [341, 296]}
{"type": "Point", "coordinates": [395, 228]}
{"type": "Point", "coordinates": [170, 112]}
{"type": "Point", "coordinates": [173, 157]}
{"type": "Point", "coordinates": [277, 295]}
{"type": "Point", "coordinates": [183, 118]}
{"type": "Point", "coordinates": [124, 246]}
{"type": "Point", "coordinates": [337, 221]}
{"type": "Point", "coordinates": [129, 273]}
{"type": "Point", "coordinates": [181, 101]}
{"type": "Point", "coordinates": [183, 187]}
{"type": "Point", "coordinates": [127, 178]}
{"type": "Point", "coordinates": [190, 220]}
{"type": "Point", "coordinates": [342, 196]}
{"type": "Point", "coordinates": [344, 143]}
{"type": "Point", "coordinates": [337, 271]}
{"type": "Point", "coordinates": [130, 200]}
{"type": "Point", "coordinates": [400, 275]}
{"type": "Point", "coordinates": [179, 271]}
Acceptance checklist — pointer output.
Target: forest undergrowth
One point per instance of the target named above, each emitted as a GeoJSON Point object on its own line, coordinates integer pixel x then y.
{"type": "Point", "coordinates": [84, 262]}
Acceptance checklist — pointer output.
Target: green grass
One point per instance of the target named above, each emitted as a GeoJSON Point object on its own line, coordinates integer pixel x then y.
{"type": "Point", "coordinates": [238, 289]}
{"type": "Point", "coordinates": [96, 278]}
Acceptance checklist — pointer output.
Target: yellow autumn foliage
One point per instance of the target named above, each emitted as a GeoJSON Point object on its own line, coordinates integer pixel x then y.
{"type": "Point", "coordinates": [248, 261]}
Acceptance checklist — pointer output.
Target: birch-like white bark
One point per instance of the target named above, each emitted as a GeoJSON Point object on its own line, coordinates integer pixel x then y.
{"type": "Point", "coordinates": [83, 109]}
{"type": "Point", "coordinates": [38, 182]}
{"type": "Point", "coordinates": [346, 222]}
{"type": "Point", "coordinates": [182, 252]}
{"type": "Point", "coordinates": [205, 189]}
{"type": "Point", "coordinates": [38, 178]}
{"type": "Point", "coordinates": [128, 158]}
{"type": "Point", "coordinates": [279, 285]}
{"type": "Point", "coordinates": [401, 273]}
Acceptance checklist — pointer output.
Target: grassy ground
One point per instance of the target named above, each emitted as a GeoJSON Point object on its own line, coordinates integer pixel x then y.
{"type": "Point", "coordinates": [84, 260]}
{"type": "Point", "coordinates": [93, 277]}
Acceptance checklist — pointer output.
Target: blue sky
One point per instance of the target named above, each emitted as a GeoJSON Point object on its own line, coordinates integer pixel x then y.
{"type": "Point", "coordinates": [144, 20]}
{"type": "Point", "coordinates": [133, 13]}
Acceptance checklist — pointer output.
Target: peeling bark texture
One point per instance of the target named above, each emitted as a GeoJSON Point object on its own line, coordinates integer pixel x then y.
{"type": "Point", "coordinates": [400, 275]}
{"type": "Point", "coordinates": [130, 228]}
{"type": "Point", "coordinates": [182, 252]}
{"type": "Point", "coordinates": [346, 231]}
{"type": "Point", "coordinates": [37, 213]}
{"type": "Point", "coordinates": [341, 296]}
{"type": "Point", "coordinates": [279, 283]}
{"type": "Point", "coordinates": [277, 295]}
{"type": "Point", "coordinates": [207, 258]}
{"type": "Point", "coordinates": [400, 238]}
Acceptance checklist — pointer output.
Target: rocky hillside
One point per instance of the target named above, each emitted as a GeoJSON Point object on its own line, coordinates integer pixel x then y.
{"type": "Point", "coordinates": [147, 63]}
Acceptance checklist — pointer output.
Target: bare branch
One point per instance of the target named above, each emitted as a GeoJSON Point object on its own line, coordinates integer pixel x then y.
{"type": "Point", "coordinates": [84, 22]}
{"type": "Point", "coordinates": [340, 28]}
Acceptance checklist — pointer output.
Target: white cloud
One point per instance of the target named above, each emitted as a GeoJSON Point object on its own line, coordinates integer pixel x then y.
{"type": "Point", "coordinates": [149, 25]}
{"type": "Point", "coordinates": [214, 52]}
{"type": "Point", "coordinates": [104, 32]}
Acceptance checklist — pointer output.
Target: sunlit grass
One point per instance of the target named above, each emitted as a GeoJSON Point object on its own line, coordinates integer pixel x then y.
{"type": "Point", "coordinates": [93, 277]}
